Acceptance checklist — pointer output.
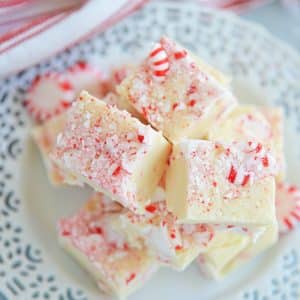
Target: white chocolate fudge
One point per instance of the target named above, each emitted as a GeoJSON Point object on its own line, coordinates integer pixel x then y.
{"type": "Point", "coordinates": [112, 151]}
{"type": "Point", "coordinates": [173, 244]}
{"type": "Point", "coordinates": [45, 137]}
{"type": "Point", "coordinates": [210, 182]}
{"type": "Point", "coordinates": [176, 93]}
{"type": "Point", "coordinates": [254, 123]}
{"type": "Point", "coordinates": [89, 238]}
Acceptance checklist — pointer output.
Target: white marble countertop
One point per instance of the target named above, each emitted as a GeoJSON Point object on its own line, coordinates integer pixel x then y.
{"type": "Point", "coordinates": [279, 21]}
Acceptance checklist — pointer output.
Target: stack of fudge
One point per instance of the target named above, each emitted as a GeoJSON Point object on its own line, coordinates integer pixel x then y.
{"type": "Point", "coordinates": [181, 172]}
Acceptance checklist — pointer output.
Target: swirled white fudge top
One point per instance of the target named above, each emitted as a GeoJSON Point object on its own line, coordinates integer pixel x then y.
{"type": "Point", "coordinates": [214, 182]}
{"type": "Point", "coordinates": [112, 151]}
{"type": "Point", "coordinates": [176, 93]}
{"type": "Point", "coordinates": [117, 266]}
{"type": "Point", "coordinates": [254, 123]}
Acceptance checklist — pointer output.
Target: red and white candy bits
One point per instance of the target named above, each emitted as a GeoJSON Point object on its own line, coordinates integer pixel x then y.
{"type": "Point", "coordinates": [287, 206]}
{"type": "Point", "coordinates": [257, 162]}
{"type": "Point", "coordinates": [83, 76]}
{"type": "Point", "coordinates": [159, 62]}
{"type": "Point", "coordinates": [49, 95]}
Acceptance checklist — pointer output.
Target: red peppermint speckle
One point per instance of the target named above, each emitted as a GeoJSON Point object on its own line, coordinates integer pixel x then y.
{"type": "Point", "coordinates": [192, 89]}
{"type": "Point", "coordinates": [140, 138]}
{"type": "Point", "coordinates": [130, 278]}
{"type": "Point", "coordinates": [117, 171]}
{"type": "Point", "coordinates": [180, 54]}
{"type": "Point", "coordinates": [172, 235]}
{"type": "Point", "coordinates": [192, 102]}
{"type": "Point", "coordinates": [245, 179]}
{"type": "Point", "coordinates": [232, 175]}
{"type": "Point", "coordinates": [214, 184]}
{"type": "Point", "coordinates": [178, 247]}
{"type": "Point", "coordinates": [96, 230]}
{"type": "Point", "coordinates": [265, 161]}
{"type": "Point", "coordinates": [258, 147]}
{"type": "Point", "coordinates": [150, 208]}
{"type": "Point", "coordinates": [175, 105]}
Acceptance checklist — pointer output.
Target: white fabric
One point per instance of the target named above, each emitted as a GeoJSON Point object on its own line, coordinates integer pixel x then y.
{"type": "Point", "coordinates": [70, 29]}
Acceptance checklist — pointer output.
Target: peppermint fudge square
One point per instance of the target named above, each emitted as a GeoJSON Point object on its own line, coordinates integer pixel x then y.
{"type": "Point", "coordinates": [112, 151]}
{"type": "Point", "coordinates": [89, 238]}
{"type": "Point", "coordinates": [177, 93]}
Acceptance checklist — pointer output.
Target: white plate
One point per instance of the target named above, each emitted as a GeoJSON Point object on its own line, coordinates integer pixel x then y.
{"type": "Point", "coordinates": [32, 266]}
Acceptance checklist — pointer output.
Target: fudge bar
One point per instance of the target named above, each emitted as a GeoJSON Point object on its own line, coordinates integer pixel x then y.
{"type": "Point", "coordinates": [45, 136]}
{"type": "Point", "coordinates": [90, 239]}
{"type": "Point", "coordinates": [176, 93]}
{"type": "Point", "coordinates": [252, 123]}
{"type": "Point", "coordinates": [212, 182]}
{"type": "Point", "coordinates": [112, 151]}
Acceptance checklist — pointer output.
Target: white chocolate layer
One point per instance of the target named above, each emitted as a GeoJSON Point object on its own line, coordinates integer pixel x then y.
{"type": "Point", "coordinates": [210, 182]}
{"type": "Point", "coordinates": [90, 239]}
{"type": "Point", "coordinates": [176, 93]}
{"type": "Point", "coordinates": [112, 151]}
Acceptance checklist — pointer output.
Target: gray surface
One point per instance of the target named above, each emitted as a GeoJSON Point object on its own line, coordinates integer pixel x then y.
{"type": "Point", "coordinates": [281, 22]}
